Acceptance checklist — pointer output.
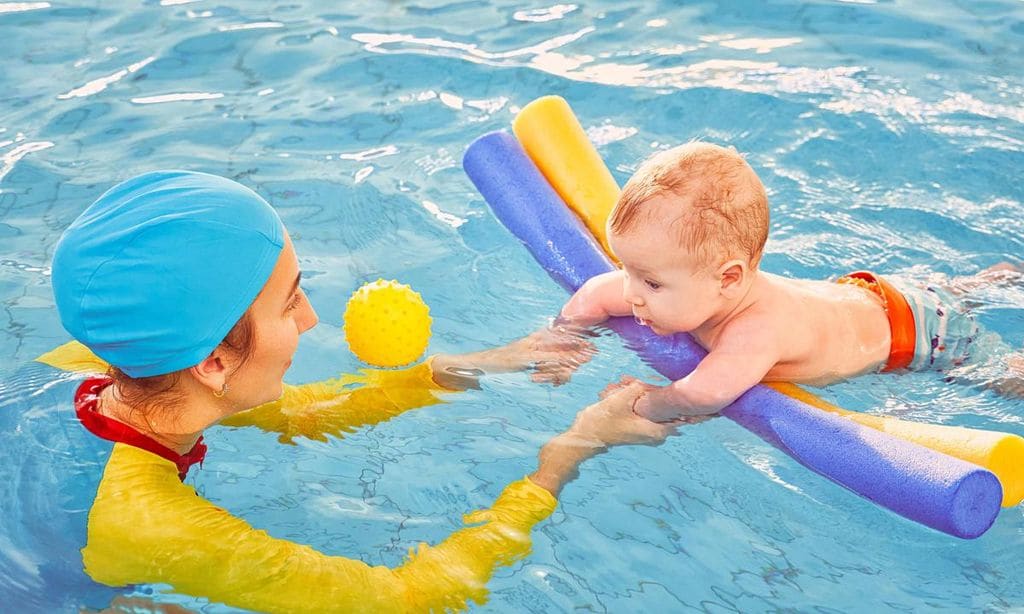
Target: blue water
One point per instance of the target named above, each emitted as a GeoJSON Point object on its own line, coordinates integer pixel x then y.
{"type": "Point", "coordinates": [889, 135]}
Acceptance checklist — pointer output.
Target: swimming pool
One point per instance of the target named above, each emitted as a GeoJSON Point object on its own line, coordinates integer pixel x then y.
{"type": "Point", "coordinates": [889, 136]}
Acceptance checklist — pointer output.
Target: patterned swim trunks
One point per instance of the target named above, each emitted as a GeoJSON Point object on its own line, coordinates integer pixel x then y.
{"type": "Point", "coordinates": [932, 328]}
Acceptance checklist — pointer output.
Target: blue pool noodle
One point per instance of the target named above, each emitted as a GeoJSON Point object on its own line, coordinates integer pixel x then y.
{"type": "Point", "coordinates": [939, 491]}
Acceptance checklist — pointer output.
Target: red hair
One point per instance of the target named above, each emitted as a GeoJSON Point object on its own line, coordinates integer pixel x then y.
{"type": "Point", "coordinates": [720, 205]}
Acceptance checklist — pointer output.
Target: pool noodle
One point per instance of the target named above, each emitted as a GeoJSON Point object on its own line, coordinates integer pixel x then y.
{"type": "Point", "coordinates": [944, 493]}
{"type": "Point", "coordinates": [577, 169]}
{"type": "Point", "coordinates": [552, 137]}
{"type": "Point", "coordinates": [1000, 453]}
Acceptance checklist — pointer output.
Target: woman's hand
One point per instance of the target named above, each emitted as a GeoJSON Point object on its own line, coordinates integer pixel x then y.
{"type": "Point", "coordinates": [556, 351]}
{"type": "Point", "coordinates": [609, 422]}
{"type": "Point", "coordinates": [552, 353]}
{"type": "Point", "coordinates": [625, 382]}
{"type": "Point", "coordinates": [612, 422]}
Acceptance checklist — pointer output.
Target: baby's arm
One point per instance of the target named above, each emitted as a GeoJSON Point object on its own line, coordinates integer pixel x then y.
{"type": "Point", "coordinates": [738, 362]}
{"type": "Point", "coordinates": [598, 299]}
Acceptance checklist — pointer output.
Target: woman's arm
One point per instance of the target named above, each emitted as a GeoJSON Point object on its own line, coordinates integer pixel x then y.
{"type": "Point", "coordinates": [145, 526]}
{"type": "Point", "coordinates": [344, 404]}
{"type": "Point", "coordinates": [609, 422]}
{"type": "Point", "coordinates": [347, 403]}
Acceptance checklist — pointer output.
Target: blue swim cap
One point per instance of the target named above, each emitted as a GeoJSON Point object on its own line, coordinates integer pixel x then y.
{"type": "Point", "coordinates": [155, 273]}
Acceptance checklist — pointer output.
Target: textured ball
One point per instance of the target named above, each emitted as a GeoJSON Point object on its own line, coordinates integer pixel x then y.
{"type": "Point", "coordinates": [387, 324]}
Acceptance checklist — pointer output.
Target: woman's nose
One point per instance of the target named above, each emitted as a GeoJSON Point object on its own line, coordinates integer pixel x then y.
{"type": "Point", "coordinates": [308, 318]}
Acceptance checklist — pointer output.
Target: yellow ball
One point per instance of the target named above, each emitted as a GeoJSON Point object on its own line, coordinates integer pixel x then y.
{"type": "Point", "coordinates": [387, 324]}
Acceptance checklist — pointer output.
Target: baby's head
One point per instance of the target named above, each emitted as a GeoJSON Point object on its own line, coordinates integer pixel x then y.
{"type": "Point", "coordinates": [689, 228]}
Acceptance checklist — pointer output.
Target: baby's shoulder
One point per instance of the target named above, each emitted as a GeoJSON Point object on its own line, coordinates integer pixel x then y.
{"type": "Point", "coordinates": [784, 305]}
{"type": "Point", "coordinates": [755, 326]}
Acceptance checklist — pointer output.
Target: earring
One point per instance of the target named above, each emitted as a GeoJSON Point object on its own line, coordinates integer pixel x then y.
{"type": "Point", "coordinates": [220, 393]}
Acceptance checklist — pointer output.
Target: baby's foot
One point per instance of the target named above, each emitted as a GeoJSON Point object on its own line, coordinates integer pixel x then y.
{"type": "Point", "coordinates": [1012, 385]}
{"type": "Point", "coordinates": [1003, 266]}
{"type": "Point", "coordinates": [1002, 275]}
{"type": "Point", "coordinates": [1015, 364]}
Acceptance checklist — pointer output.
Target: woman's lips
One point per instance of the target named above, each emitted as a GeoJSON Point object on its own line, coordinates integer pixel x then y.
{"type": "Point", "coordinates": [641, 321]}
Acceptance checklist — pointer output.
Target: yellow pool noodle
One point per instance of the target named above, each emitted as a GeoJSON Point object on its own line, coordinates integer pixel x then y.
{"type": "Point", "coordinates": [555, 141]}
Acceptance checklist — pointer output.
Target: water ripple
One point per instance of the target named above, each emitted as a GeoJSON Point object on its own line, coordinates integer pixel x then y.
{"type": "Point", "coordinates": [551, 13]}
{"type": "Point", "coordinates": [9, 159]}
{"type": "Point", "coordinates": [256, 25]}
{"type": "Point", "coordinates": [98, 85]}
{"type": "Point", "coordinates": [177, 97]}
{"type": "Point", "coordinates": [758, 45]}
{"type": "Point", "coordinates": [852, 89]}
{"type": "Point", "coordinates": [380, 42]}
{"type": "Point", "coordinates": [447, 218]}
{"type": "Point", "coordinates": [19, 7]}
{"type": "Point", "coordinates": [370, 154]}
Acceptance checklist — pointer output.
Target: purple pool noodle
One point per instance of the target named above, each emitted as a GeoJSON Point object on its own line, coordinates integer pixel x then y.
{"type": "Point", "coordinates": [939, 491]}
{"type": "Point", "coordinates": [508, 175]}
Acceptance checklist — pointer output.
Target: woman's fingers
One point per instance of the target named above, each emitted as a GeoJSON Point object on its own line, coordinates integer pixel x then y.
{"type": "Point", "coordinates": [555, 372]}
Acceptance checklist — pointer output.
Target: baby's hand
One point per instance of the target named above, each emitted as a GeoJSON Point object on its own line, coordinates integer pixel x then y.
{"type": "Point", "coordinates": [653, 402]}
{"type": "Point", "coordinates": [610, 422]}
{"type": "Point", "coordinates": [656, 405]}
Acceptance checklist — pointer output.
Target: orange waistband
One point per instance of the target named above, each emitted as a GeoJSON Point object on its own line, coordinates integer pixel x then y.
{"type": "Point", "coordinates": [897, 310]}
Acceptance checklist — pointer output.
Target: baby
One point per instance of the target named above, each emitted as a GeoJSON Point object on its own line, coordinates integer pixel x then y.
{"type": "Point", "coordinates": [689, 230]}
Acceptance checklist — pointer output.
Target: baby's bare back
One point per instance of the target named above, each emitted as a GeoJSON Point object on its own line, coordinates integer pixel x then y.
{"type": "Point", "coordinates": [825, 331]}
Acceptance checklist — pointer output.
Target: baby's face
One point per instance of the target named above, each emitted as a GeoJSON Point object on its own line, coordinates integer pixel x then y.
{"type": "Point", "coordinates": [667, 288]}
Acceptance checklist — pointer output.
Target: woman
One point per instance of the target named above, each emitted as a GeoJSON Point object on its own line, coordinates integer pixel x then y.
{"type": "Point", "coordinates": [205, 339]}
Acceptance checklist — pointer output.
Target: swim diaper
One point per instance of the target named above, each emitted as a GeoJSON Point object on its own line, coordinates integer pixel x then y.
{"type": "Point", "coordinates": [931, 327]}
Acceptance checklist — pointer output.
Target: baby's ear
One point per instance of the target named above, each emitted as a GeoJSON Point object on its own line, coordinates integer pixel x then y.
{"type": "Point", "coordinates": [732, 274]}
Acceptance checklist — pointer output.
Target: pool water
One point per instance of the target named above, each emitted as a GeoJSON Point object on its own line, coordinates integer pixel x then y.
{"type": "Point", "coordinates": [889, 135]}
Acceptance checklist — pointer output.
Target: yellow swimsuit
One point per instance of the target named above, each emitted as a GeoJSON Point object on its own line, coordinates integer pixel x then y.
{"type": "Point", "coordinates": [147, 526]}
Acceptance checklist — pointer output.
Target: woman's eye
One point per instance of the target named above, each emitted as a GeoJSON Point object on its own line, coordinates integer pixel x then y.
{"type": "Point", "coordinates": [295, 301]}
{"type": "Point", "coordinates": [653, 285]}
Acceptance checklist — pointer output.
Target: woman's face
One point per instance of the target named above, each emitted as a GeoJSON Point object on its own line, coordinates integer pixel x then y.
{"type": "Point", "coordinates": [279, 315]}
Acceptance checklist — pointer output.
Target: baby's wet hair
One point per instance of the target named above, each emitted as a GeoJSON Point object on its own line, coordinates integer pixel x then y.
{"type": "Point", "coordinates": [720, 211]}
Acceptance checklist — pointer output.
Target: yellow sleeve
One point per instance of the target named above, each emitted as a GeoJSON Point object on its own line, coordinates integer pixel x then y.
{"type": "Point", "coordinates": [147, 527]}
{"type": "Point", "coordinates": [314, 410]}
{"type": "Point", "coordinates": [344, 404]}
{"type": "Point", "coordinates": [73, 356]}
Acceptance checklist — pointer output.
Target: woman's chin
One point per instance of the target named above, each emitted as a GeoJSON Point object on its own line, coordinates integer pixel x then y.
{"type": "Point", "coordinates": [272, 395]}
